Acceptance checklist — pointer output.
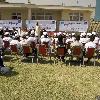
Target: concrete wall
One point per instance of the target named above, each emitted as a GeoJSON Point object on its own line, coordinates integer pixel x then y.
{"type": "Point", "coordinates": [6, 14]}
{"type": "Point", "coordinates": [86, 14]}
{"type": "Point", "coordinates": [58, 14]}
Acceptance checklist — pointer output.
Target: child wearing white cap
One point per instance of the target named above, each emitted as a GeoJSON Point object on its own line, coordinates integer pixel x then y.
{"type": "Point", "coordinates": [7, 37]}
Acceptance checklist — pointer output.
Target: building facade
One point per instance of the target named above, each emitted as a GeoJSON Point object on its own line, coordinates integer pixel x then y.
{"type": "Point", "coordinates": [12, 11]}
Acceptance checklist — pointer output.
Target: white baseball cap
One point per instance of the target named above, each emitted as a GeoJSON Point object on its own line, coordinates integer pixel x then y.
{"type": "Point", "coordinates": [73, 34]}
{"type": "Point", "coordinates": [55, 34]}
{"type": "Point", "coordinates": [64, 33]}
{"type": "Point", "coordinates": [67, 35]}
{"type": "Point", "coordinates": [6, 33]}
{"type": "Point", "coordinates": [45, 33]}
{"type": "Point", "coordinates": [32, 32]}
{"type": "Point", "coordinates": [83, 34]}
{"type": "Point", "coordinates": [17, 35]}
{"type": "Point", "coordinates": [59, 33]}
{"type": "Point", "coordinates": [89, 34]}
{"type": "Point", "coordinates": [1, 28]}
{"type": "Point", "coordinates": [94, 33]}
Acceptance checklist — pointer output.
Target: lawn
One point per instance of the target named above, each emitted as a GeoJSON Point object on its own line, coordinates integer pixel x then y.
{"type": "Point", "coordinates": [46, 81]}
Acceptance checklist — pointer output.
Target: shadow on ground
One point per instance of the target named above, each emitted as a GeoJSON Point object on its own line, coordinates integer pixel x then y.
{"type": "Point", "coordinates": [12, 73]}
{"type": "Point", "coordinates": [77, 63]}
{"type": "Point", "coordinates": [9, 58]}
{"type": "Point", "coordinates": [40, 60]}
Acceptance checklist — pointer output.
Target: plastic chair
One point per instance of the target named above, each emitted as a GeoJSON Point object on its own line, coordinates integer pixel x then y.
{"type": "Point", "coordinates": [90, 53]}
{"type": "Point", "coordinates": [28, 50]}
{"type": "Point", "coordinates": [33, 45]}
{"type": "Point", "coordinates": [68, 45]}
{"type": "Point", "coordinates": [46, 44]}
{"type": "Point", "coordinates": [77, 52]}
{"type": "Point", "coordinates": [14, 51]}
{"type": "Point", "coordinates": [60, 53]}
{"type": "Point", "coordinates": [6, 44]}
{"type": "Point", "coordinates": [42, 51]}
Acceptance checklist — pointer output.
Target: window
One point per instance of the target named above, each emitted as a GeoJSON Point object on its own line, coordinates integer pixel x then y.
{"type": "Point", "coordinates": [75, 16]}
{"type": "Point", "coordinates": [48, 17]}
{"type": "Point", "coordinates": [33, 17]}
{"type": "Point", "coordinates": [42, 16]}
{"type": "Point", "coordinates": [81, 17]}
{"type": "Point", "coordinates": [16, 15]}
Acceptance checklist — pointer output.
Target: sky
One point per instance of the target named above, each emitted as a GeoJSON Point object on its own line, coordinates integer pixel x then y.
{"type": "Point", "coordinates": [58, 2]}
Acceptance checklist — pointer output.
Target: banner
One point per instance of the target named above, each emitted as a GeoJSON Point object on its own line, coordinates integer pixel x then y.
{"type": "Point", "coordinates": [10, 24]}
{"type": "Point", "coordinates": [48, 25]}
{"type": "Point", "coordinates": [75, 26]}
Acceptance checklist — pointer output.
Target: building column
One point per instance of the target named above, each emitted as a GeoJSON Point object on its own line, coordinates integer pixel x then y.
{"type": "Point", "coordinates": [29, 14]}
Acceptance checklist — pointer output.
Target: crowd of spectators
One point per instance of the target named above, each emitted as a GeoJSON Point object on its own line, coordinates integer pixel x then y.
{"type": "Point", "coordinates": [39, 36]}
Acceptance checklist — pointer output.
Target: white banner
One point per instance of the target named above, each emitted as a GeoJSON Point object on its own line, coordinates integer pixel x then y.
{"type": "Point", "coordinates": [10, 24]}
{"type": "Point", "coordinates": [75, 26]}
{"type": "Point", "coordinates": [48, 25]}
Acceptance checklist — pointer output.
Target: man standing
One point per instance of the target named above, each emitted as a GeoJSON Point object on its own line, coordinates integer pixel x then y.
{"type": "Point", "coordinates": [3, 69]}
{"type": "Point", "coordinates": [1, 31]}
{"type": "Point", "coordinates": [37, 29]}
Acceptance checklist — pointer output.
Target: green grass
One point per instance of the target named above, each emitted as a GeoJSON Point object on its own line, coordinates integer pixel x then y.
{"type": "Point", "coordinates": [50, 82]}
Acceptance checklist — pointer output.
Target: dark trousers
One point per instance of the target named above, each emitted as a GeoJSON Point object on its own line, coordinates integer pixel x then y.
{"type": "Point", "coordinates": [1, 60]}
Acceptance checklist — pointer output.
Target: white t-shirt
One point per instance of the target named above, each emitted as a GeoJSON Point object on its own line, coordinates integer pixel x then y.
{"type": "Point", "coordinates": [96, 40]}
{"type": "Point", "coordinates": [84, 40]}
{"type": "Point", "coordinates": [90, 45]}
{"type": "Point", "coordinates": [15, 42]}
{"type": "Point", "coordinates": [46, 40]}
{"type": "Point", "coordinates": [7, 39]}
{"type": "Point", "coordinates": [31, 39]}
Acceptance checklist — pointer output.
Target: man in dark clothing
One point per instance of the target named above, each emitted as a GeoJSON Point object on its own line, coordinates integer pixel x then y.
{"type": "Point", "coordinates": [1, 32]}
{"type": "Point", "coordinates": [3, 69]}
{"type": "Point", "coordinates": [1, 50]}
